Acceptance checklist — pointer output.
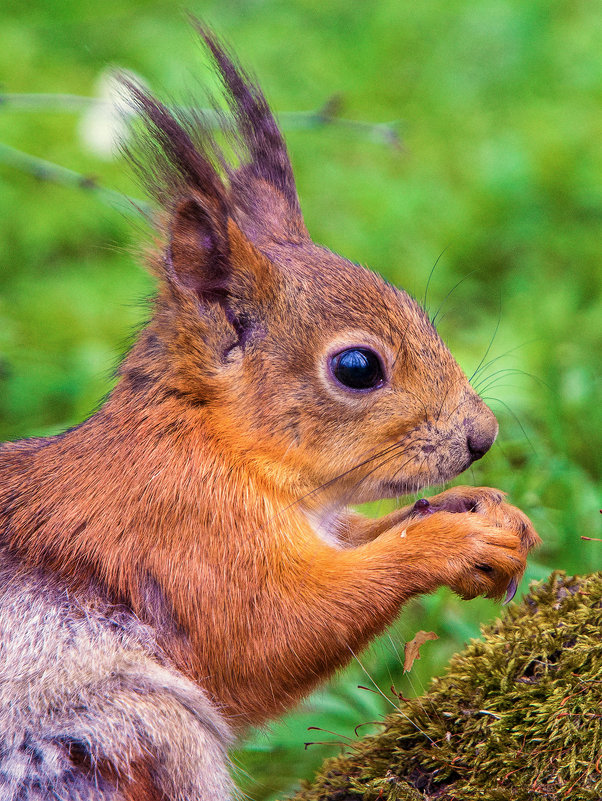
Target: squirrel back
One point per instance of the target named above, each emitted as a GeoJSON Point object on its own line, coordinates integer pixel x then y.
{"type": "Point", "coordinates": [275, 384]}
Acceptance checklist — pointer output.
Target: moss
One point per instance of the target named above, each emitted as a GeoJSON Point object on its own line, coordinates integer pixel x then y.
{"type": "Point", "coordinates": [516, 717]}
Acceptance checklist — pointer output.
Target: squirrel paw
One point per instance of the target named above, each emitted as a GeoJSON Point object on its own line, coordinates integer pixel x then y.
{"type": "Point", "coordinates": [484, 501]}
{"type": "Point", "coordinates": [491, 562]}
{"type": "Point", "coordinates": [490, 539]}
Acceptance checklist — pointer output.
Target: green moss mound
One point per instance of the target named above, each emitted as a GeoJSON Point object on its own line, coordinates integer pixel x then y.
{"type": "Point", "coordinates": [518, 715]}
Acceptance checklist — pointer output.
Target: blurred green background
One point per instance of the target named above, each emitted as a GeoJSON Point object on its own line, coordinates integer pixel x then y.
{"type": "Point", "coordinates": [499, 109]}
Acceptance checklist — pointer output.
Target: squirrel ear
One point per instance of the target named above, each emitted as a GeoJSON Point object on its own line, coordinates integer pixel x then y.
{"type": "Point", "coordinates": [199, 252]}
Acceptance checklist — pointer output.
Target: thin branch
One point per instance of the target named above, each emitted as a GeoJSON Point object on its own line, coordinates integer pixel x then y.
{"type": "Point", "coordinates": [49, 102]}
{"type": "Point", "coordinates": [328, 114]}
{"type": "Point", "coordinates": [48, 171]}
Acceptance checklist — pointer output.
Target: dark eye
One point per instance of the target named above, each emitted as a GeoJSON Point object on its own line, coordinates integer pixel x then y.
{"type": "Point", "coordinates": [357, 368]}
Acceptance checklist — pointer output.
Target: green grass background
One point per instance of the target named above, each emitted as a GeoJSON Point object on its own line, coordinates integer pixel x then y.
{"type": "Point", "coordinates": [499, 109]}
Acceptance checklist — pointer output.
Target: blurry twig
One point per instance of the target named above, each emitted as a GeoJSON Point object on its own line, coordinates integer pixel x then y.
{"type": "Point", "coordinates": [328, 114]}
{"type": "Point", "coordinates": [48, 171]}
{"type": "Point", "coordinates": [385, 132]}
{"type": "Point", "coordinates": [48, 102]}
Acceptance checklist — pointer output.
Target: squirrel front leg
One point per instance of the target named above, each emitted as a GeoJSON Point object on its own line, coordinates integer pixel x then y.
{"type": "Point", "coordinates": [471, 552]}
{"type": "Point", "coordinates": [355, 529]}
{"type": "Point", "coordinates": [336, 600]}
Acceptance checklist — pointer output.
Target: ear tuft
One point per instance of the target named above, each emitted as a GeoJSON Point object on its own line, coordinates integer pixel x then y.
{"type": "Point", "coordinates": [262, 186]}
{"type": "Point", "coordinates": [256, 129]}
{"type": "Point", "coordinates": [175, 153]}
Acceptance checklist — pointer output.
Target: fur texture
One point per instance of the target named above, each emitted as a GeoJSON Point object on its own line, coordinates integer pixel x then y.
{"type": "Point", "coordinates": [202, 512]}
{"type": "Point", "coordinates": [88, 703]}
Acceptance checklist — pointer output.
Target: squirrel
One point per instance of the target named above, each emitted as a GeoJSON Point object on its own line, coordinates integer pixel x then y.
{"type": "Point", "coordinates": [184, 563]}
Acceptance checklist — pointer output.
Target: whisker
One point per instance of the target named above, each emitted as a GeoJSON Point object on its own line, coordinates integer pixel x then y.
{"type": "Point", "coordinates": [433, 268]}
{"type": "Point", "coordinates": [522, 428]}
{"type": "Point", "coordinates": [506, 371]}
{"type": "Point", "coordinates": [497, 385]}
{"type": "Point", "coordinates": [401, 344]}
{"type": "Point", "coordinates": [421, 402]}
{"type": "Point", "coordinates": [446, 314]}
{"type": "Point", "coordinates": [438, 417]}
{"type": "Point", "coordinates": [497, 326]}
{"type": "Point", "coordinates": [399, 469]}
{"type": "Point", "coordinates": [502, 356]}
{"type": "Point", "coordinates": [388, 700]}
{"type": "Point", "coordinates": [418, 696]}
{"type": "Point", "coordinates": [453, 289]}
{"type": "Point", "coordinates": [340, 476]}
{"type": "Point", "coordinates": [458, 406]}
{"type": "Point", "coordinates": [382, 464]}
{"type": "Point", "coordinates": [357, 484]}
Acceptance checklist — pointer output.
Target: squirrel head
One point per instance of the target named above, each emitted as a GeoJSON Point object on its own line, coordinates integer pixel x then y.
{"type": "Point", "coordinates": [310, 369]}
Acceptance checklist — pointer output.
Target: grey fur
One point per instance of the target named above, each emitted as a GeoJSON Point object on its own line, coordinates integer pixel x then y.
{"type": "Point", "coordinates": [79, 678]}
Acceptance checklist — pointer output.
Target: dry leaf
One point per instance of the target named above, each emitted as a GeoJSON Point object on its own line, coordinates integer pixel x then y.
{"type": "Point", "coordinates": [412, 649]}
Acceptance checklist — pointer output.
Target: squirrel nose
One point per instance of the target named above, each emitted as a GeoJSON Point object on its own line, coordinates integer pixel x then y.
{"type": "Point", "coordinates": [479, 442]}
{"type": "Point", "coordinates": [480, 429]}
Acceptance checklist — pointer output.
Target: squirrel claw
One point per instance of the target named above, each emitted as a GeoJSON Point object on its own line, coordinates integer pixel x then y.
{"type": "Point", "coordinates": [511, 591]}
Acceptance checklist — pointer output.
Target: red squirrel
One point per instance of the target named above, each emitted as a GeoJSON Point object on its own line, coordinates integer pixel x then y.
{"type": "Point", "coordinates": [184, 564]}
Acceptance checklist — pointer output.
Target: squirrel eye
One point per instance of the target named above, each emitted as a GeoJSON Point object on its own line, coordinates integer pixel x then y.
{"type": "Point", "coordinates": [357, 368]}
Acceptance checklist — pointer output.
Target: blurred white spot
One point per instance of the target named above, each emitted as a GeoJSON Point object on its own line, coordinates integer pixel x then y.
{"type": "Point", "coordinates": [105, 124]}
